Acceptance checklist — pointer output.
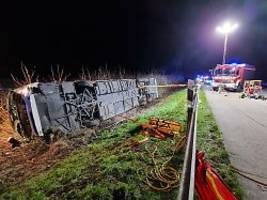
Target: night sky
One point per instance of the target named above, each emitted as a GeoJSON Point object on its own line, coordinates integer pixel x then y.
{"type": "Point", "coordinates": [170, 35]}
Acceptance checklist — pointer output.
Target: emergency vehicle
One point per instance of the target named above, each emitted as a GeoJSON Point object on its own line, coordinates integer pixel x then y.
{"type": "Point", "coordinates": [232, 76]}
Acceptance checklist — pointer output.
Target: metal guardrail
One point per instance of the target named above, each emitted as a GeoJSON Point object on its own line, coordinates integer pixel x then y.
{"type": "Point", "coordinates": [187, 184]}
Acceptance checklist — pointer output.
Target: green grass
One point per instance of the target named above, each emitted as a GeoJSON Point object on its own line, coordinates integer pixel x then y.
{"type": "Point", "coordinates": [210, 140]}
{"type": "Point", "coordinates": [111, 168]}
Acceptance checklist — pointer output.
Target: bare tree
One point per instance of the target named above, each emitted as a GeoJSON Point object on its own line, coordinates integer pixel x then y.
{"type": "Point", "coordinates": [28, 76]}
{"type": "Point", "coordinates": [85, 74]}
{"type": "Point", "coordinates": [58, 75]}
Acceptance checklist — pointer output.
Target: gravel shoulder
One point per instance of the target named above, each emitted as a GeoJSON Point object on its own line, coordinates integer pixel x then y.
{"type": "Point", "coordinates": [243, 123]}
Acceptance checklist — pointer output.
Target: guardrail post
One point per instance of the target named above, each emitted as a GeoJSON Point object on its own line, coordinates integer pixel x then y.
{"type": "Point", "coordinates": [187, 184]}
{"type": "Point", "coordinates": [190, 98]}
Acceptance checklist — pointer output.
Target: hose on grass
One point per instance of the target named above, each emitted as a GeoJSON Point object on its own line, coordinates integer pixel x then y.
{"type": "Point", "coordinates": [244, 174]}
{"type": "Point", "coordinates": [165, 178]}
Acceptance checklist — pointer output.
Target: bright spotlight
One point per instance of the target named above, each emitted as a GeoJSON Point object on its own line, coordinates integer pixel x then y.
{"type": "Point", "coordinates": [226, 28]}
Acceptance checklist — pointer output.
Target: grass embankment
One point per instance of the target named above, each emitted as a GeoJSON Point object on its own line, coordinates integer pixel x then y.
{"type": "Point", "coordinates": [112, 168]}
{"type": "Point", "coordinates": [210, 140]}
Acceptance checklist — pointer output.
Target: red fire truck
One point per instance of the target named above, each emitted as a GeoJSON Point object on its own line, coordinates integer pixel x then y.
{"type": "Point", "coordinates": [231, 76]}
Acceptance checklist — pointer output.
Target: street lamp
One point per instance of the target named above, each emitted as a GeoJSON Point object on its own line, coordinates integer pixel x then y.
{"type": "Point", "coordinates": [225, 29]}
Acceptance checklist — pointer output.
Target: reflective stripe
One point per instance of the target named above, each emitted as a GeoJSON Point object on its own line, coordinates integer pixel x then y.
{"type": "Point", "coordinates": [214, 186]}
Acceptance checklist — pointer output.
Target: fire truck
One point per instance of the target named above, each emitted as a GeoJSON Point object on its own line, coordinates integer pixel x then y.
{"type": "Point", "coordinates": [231, 76]}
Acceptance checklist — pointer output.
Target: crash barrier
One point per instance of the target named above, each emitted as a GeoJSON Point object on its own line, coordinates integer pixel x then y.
{"type": "Point", "coordinates": [198, 173]}
{"type": "Point", "coordinates": [187, 184]}
{"type": "Point", "coordinates": [39, 108]}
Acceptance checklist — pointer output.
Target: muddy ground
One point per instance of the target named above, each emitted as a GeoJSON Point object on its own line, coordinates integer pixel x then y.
{"type": "Point", "coordinates": [20, 163]}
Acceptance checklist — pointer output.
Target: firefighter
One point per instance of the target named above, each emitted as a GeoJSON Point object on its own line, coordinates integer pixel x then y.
{"type": "Point", "coordinates": [250, 90]}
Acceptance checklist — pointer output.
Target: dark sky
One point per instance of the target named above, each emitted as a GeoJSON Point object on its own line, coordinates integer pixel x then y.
{"type": "Point", "coordinates": [170, 35]}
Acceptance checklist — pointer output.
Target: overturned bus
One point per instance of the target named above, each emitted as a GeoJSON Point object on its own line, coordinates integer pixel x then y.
{"type": "Point", "coordinates": [38, 108]}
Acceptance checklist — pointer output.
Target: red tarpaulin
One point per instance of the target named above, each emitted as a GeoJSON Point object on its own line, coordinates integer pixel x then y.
{"type": "Point", "coordinates": [209, 185]}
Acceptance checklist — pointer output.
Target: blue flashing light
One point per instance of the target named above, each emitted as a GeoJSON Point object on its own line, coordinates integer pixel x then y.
{"type": "Point", "coordinates": [235, 61]}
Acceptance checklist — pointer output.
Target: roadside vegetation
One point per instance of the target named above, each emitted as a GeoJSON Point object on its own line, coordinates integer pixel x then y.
{"type": "Point", "coordinates": [116, 166]}
{"type": "Point", "coordinates": [113, 167]}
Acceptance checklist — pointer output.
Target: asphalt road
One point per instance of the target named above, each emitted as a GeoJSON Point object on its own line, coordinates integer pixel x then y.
{"type": "Point", "coordinates": [243, 123]}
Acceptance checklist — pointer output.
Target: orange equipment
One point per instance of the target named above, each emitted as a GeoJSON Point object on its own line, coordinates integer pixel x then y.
{"type": "Point", "coordinates": [161, 128]}
{"type": "Point", "coordinates": [209, 185]}
{"type": "Point", "coordinates": [252, 87]}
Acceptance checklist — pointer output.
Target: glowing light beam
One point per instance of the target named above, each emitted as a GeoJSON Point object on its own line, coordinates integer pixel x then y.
{"type": "Point", "coordinates": [227, 28]}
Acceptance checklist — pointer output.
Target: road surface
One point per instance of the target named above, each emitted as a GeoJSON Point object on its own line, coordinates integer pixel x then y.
{"type": "Point", "coordinates": [243, 123]}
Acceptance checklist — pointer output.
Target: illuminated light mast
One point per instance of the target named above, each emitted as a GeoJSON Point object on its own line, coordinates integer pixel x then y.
{"type": "Point", "coordinates": [226, 29]}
